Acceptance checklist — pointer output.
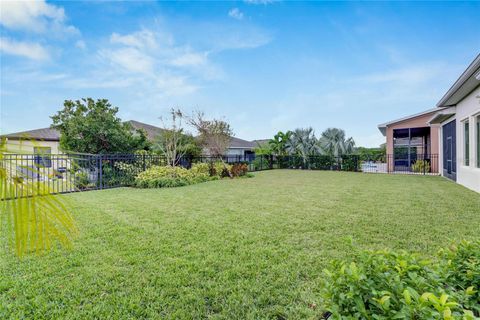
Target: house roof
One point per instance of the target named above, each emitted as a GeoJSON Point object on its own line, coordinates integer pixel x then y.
{"type": "Point", "coordinates": [261, 142]}
{"type": "Point", "coordinates": [45, 134]}
{"type": "Point", "coordinates": [383, 127]}
{"type": "Point", "coordinates": [151, 131]}
{"type": "Point", "coordinates": [465, 84]}
{"type": "Point", "coordinates": [236, 143]}
{"type": "Point", "coordinates": [49, 134]}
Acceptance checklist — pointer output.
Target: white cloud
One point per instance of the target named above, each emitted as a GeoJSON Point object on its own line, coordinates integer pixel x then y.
{"type": "Point", "coordinates": [34, 16]}
{"type": "Point", "coordinates": [80, 44]}
{"type": "Point", "coordinates": [130, 59]}
{"type": "Point", "coordinates": [29, 50]}
{"type": "Point", "coordinates": [190, 59]}
{"type": "Point", "coordinates": [235, 13]}
{"type": "Point", "coordinates": [141, 39]}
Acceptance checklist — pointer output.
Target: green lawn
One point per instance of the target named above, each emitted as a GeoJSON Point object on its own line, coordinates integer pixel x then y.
{"type": "Point", "coordinates": [231, 249]}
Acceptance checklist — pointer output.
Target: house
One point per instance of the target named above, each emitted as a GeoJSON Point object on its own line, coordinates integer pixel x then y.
{"type": "Point", "coordinates": [447, 136]}
{"type": "Point", "coordinates": [44, 140]}
{"type": "Point", "coordinates": [410, 139]}
{"type": "Point", "coordinates": [241, 149]}
{"type": "Point", "coordinates": [458, 120]}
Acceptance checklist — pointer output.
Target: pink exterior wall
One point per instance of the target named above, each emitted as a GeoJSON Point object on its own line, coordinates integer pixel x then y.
{"type": "Point", "coordinates": [417, 122]}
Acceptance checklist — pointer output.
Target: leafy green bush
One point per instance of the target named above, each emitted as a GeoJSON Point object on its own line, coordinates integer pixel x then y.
{"type": "Point", "coordinates": [167, 176]}
{"type": "Point", "coordinates": [81, 180]}
{"type": "Point", "coordinates": [388, 285]}
{"type": "Point", "coordinates": [201, 168]}
{"type": "Point", "coordinates": [421, 166]}
{"type": "Point", "coordinates": [350, 163]}
{"type": "Point", "coordinates": [219, 169]}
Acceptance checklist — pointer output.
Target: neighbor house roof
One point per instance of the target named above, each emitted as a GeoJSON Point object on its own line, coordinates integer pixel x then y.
{"type": "Point", "coordinates": [45, 134]}
{"type": "Point", "coordinates": [49, 134]}
{"type": "Point", "coordinates": [151, 131]}
{"type": "Point", "coordinates": [465, 84]}
{"type": "Point", "coordinates": [383, 127]}
{"type": "Point", "coordinates": [236, 143]}
{"type": "Point", "coordinates": [261, 142]}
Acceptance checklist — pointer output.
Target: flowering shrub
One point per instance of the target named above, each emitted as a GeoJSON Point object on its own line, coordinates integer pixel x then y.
{"type": "Point", "coordinates": [388, 285]}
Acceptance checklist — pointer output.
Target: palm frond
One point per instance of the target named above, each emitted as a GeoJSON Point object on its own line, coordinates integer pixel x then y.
{"type": "Point", "coordinates": [33, 219]}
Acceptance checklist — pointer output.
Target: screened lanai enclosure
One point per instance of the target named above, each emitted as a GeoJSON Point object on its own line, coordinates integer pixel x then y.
{"type": "Point", "coordinates": [411, 147]}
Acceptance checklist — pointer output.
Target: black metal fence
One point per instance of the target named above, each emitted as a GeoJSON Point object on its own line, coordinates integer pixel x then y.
{"type": "Point", "coordinates": [423, 164]}
{"type": "Point", "coordinates": [62, 173]}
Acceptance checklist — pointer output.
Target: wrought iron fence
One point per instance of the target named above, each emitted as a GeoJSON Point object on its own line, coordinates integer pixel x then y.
{"type": "Point", "coordinates": [423, 164]}
{"type": "Point", "coordinates": [63, 173]}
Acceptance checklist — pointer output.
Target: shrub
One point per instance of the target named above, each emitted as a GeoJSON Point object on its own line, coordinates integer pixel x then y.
{"type": "Point", "coordinates": [388, 285]}
{"type": "Point", "coordinates": [239, 169]}
{"type": "Point", "coordinates": [167, 176]}
{"type": "Point", "coordinates": [262, 163]}
{"type": "Point", "coordinates": [81, 180]}
{"type": "Point", "coordinates": [201, 168]}
{"type": "Point", "coordinates": [421, 166]}
{"type": "Point", "coordinates": [219, 169]}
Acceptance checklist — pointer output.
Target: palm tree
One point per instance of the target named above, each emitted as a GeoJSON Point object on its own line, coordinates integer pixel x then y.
{"type": "Point", "coordinates": [279, 142]}
{"type": "Point", "coordinates": [29, 214]}
{"type": "Point", "coordinates": [303, 142]}
{"type": "Point", "coordinates": [333, 142]}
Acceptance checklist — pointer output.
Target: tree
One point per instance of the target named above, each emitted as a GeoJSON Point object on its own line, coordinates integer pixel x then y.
{"type": "Point", "coordinates": [334, 143]}
{"type": "Point", "coordinates": [279, 142]}
{"type": "Point", "coordinates": [213, 135]}
{"type": "Point", "coordinates": [172, 142]}
{"type": "Point", "coordinates": [90, 126]}
{"type": "Point", "coordinates": [303, 142]}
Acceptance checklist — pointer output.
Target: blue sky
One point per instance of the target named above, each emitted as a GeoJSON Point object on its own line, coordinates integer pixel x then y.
{"type": "Point", "coordinates": [264, 66]}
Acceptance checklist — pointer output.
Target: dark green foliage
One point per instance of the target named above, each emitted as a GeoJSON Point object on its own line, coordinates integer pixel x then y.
{"type": "Point", "coordinates": [90, 126]}
{"type": "Point", "coordinates": [388, 285]}
{"type": "Point", "coordinates": [372, 154]}
{"type": "Point", "coordinates": [350, 163]}
{"type": "Point", "coordinates": [262, 163]}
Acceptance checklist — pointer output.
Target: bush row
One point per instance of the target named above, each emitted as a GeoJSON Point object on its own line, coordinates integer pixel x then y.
{"type": "Point", "coordinates": [168, 176]}
{"type": "Point", "coordinates": [388, 285]}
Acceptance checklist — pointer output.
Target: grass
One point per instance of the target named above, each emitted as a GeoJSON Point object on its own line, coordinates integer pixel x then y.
{"type": "Point", "coordinates": [231, 249]}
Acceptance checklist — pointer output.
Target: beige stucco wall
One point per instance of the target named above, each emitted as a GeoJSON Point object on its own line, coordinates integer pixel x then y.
{"type": "Point", "coordinates": [417, 122]}
{"type": "Point", "coordinates": [468, 109]}
{"type": "Point", "coordinates": [26, 146]}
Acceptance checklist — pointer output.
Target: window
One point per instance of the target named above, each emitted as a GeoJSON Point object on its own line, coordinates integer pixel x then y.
{"type": "Point", "coordinates": [466, 143]}
{"type": "Point", "coordinates": [42, 156]}
{"type": "Point", "coordinates": [478, 141]}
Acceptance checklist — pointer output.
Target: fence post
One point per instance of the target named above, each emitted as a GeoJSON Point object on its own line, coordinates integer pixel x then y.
{"type": "Point", "coordinates": [144, 164]}
{"type": "Point", "coordinates": [261, 162]}
{"type": "Point", "coordinates": [100, 170]}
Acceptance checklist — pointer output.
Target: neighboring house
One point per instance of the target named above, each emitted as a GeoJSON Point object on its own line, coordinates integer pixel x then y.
{"type": "Point", "coordinates": [458, 119]}
{"type": "Point", "coordinates": [410, 139]}
{"type": "Point", "coordinates": [45, 140]}
{"type": "Point", "coordinates": [241, 148]}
